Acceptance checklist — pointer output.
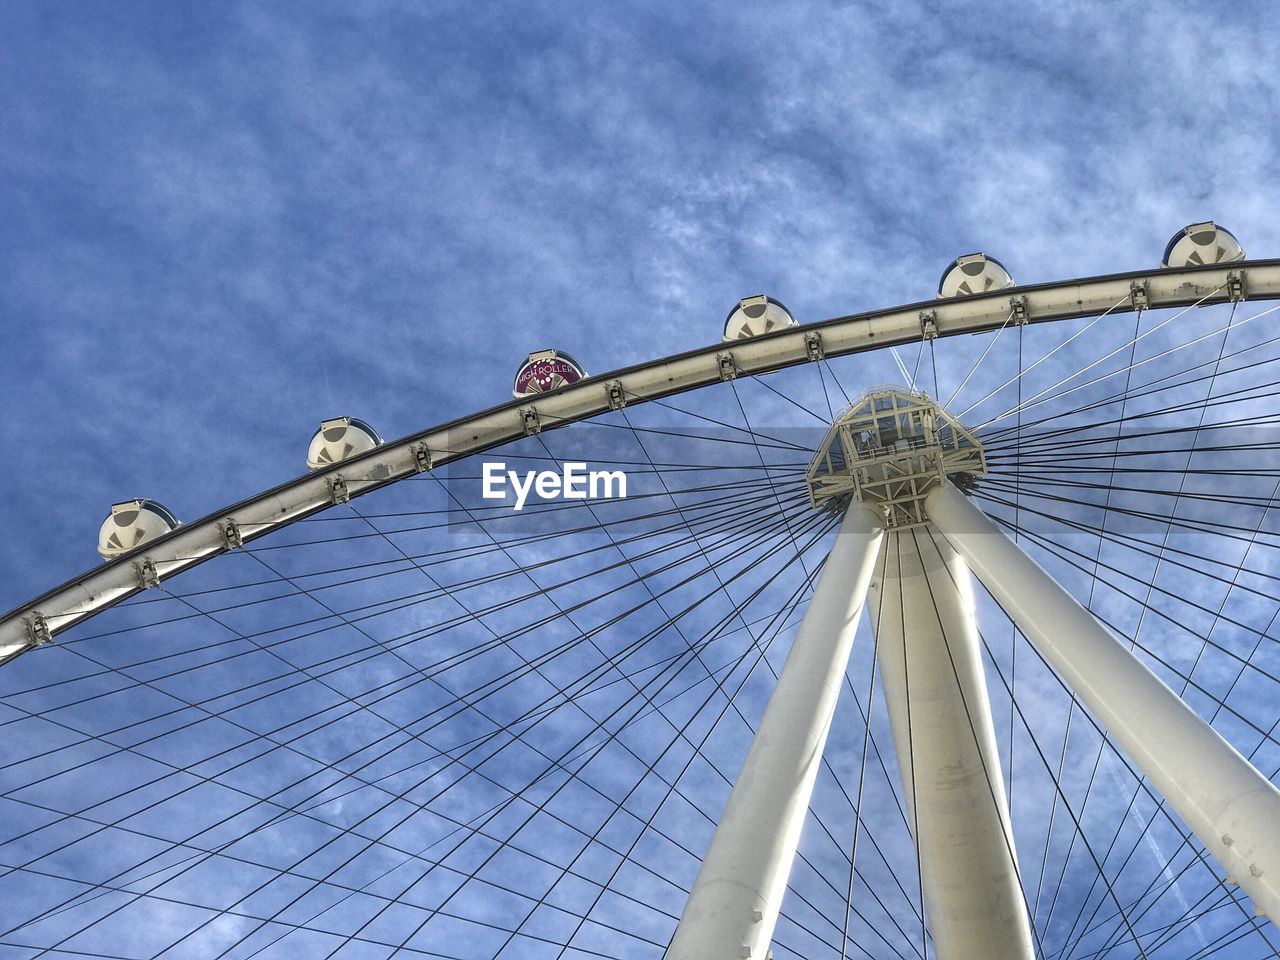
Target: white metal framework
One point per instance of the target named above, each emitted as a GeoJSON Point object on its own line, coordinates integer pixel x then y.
{"type": "Point", "coordinates": [894, 453]}
{"type": "Point", "coordinates": [243, 522]}
{"type": "Point", "coordinates": [1231, 807]}
{"type": "Point", "coordinates": [889, 449]}
{"type": "Point", "coordinates": [899, 477]}
{"type": "Point", "coordinates": [734, 904]}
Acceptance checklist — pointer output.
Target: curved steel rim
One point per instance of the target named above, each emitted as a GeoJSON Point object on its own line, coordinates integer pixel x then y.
{"type": "Point", "coordinates": [39, 620]}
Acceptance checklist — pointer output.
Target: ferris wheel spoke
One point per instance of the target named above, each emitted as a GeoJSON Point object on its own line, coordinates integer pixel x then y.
{"type": "Point", "coordinates": [978, 363]}
{"type": "Point", "coordinates": [723, 509]}
{"type": "Point", "coordinates": [911, 762]}
{"type": "Point", "coordinates": [1088, 603]}
{"type": "Point", "coordinates": [1228, 531]}
{"type": "Point", "coordinates": [1193, 564]}
{"type": "Point", "coordinates": [1163, 884]}
{"type": "Point", "coordinates": [749, 437]}
{"type": "Point", "coordinates": [495, 515]}
{"type": "Point", "coordinates": [310, 927]}
{"type": "Point", "coordinates": [1050, 482]}
{"type": "Point", "coordinates": [1162, 384]}
{"type": "Point", "coordinates": [1085, 458]}
{"type": "Point", "coordinates": [1161, 934]}
{"type": "Point", "coordinates": [1102, 531]}
{"type": "Point", "coordinates": [760, 453]}
{"type": "Point", "coordinates": [413, 636]}
{"type": "Point", "coordinates": [1239, 673]}
{"type": "Point", "coordinates": [629, 700]}
{"type": "Point", "coordinates": [1120, 912]}
{"type": "Point", "coordinates": [1013, 627]}
{"type": "Point", "coordinates": [752, 437]}
{"type": "Point", "coordinates": [680, 733]}
{"type": "Point", "coordinates": [529, 819]}
{"type": "Point", "coordinates": [864, 831]}
{"type": "Point", "coordinates": [1031, 366]}
{"type": "Point", "coordinates": [1160, 806]}
{"type": "Point", "coordinates": [1051, 392]}
{"type": "Point", "coordinates": [1231, 325]}
{"type": "Point", "coordinates": [1166, 934]}
{"type": "Point", "coordinates": [1071, 446]}
{"type": "Point", "coordinates": [825, 367]}
{"type": "Point", "coordinates": [819, 369]}
{"type": "Point", "coordinates": [1064, 801]}
{"type": "Point", "coordinates": [856, 809]}
{"type": "Point", "coordinates": [738, 711]}
{"type": "Point", "coordinates": [428, 713]}
{"type": "Point", "coordinates": [910, 376]}
{"type": "Point", "coordinates": [1229, 936]}
{"type": "Point", "coordinates": [1079, 447]}
{"type": "Point", "coordinates": [1066, 555]}
{"type": "Point", "coordinates": [321, 712]}
{"type": "Point", "coordinates": [781, 395]}
{"type": "Point", "coordinates": [727, 780]}
{"type": "Point", "coordinates": [862, 766]}
{"type": "Point", "coordinates": [518, 929]}
{"type": "Point", "coordinates": [127, 884]}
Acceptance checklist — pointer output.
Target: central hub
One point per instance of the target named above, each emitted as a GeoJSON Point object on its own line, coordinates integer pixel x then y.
{"type": "Point", "coordinates": [888, 450]}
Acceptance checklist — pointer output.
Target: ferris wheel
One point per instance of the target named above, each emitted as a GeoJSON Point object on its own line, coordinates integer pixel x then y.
{"type": "Point", "coordinates": [944, 630]}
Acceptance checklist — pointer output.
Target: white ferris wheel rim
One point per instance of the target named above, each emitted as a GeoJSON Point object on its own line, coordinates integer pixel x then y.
{"type": "Point", "coordinates": [36, 621]}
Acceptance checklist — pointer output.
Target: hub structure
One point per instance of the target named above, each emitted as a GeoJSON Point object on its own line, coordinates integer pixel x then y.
{"type": "Point", "coordinates": [896, 467]}
{"type": "Point", "coordinates": [888, 450]}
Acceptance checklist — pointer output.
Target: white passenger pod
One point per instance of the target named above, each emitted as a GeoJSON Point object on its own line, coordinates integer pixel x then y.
{"type": "Point", "coordinates": [974, 273]}
{"type": "Point", "coordinates": [754, 316]}
{"type": "Point", "coordinates": [132, 524]}
{"type": "Point", "coordinates": [336, 440]}
{"type": "Point", "coordinates": [1201, 244]}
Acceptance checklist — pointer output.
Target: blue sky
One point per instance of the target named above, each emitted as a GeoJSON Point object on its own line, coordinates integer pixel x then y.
{"type": "Point", "coordinates": [227, 222]}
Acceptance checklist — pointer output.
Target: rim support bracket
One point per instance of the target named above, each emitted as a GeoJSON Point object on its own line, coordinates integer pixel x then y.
{"type": "Point", "coordinates": [422, 458]}
{"type": "Point", "coordinates": [813, 345]}
{"type": "Point", "coordinates": [617, 396]}
{"type": "Point", "coordinates": [38, 631]}
{"type": "Point", "coordinates": [148, 575]}
{"type": "Point", "coordinates": [929, 324]}
{"type": "Point", "coordinates": [232, 537]}
{"type": "Point", "coordinates": [338, 491]}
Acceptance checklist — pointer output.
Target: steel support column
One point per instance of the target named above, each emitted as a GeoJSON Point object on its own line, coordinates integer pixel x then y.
{"type": "Point", "coordinates": [735, 900]}
{"type": "Point", "coordinates": [936, 697]}
{"type": "Point", "coordinates": [1228, 804]}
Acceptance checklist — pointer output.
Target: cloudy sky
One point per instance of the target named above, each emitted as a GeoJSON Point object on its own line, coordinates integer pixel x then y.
{"type": "Point", "coordinates": [227, 222]}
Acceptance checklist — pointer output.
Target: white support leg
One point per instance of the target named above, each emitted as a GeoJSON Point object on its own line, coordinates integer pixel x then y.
{"type": "Point", "coordinates": [735, 900]}
{"type": "Point", "coordinates": [1228, 804]}
{"type": "Point", "coordinates": [936, 697]}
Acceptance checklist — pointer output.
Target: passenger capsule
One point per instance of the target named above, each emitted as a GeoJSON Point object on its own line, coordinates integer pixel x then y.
{"type": "Point", "coordinates": [754, 316]}
{"type": "Point", "coordinates": [1200, 244]}
{"type": "Point", "coordinates": [546, 370]}
{"type": "Point", "coordinates": [974, 273]}
{"type": "Point", "coordinates": [336, 440]}
{"type": "Point", "coordinates": [132, 524]}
